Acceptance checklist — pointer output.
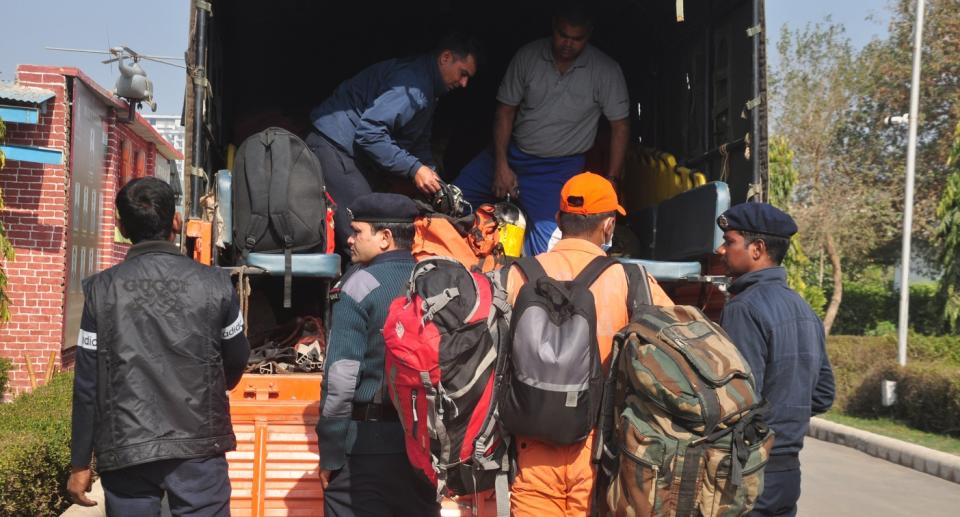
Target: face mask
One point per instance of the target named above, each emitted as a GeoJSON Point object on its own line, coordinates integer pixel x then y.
{"type": "Point", "coordinates": [607, 245]}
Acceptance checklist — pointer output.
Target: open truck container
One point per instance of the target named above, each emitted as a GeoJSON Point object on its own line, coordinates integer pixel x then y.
{"type": "Point", "coordinates": [697, 89]}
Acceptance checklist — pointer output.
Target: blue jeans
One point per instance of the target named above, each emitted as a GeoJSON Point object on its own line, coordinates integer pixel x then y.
{"type": "Point", "coordinates": [540, 181]}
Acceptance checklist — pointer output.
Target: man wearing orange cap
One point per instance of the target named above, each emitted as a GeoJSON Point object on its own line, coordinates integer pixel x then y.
{"type": "Point", "coordinates": [558, 479]}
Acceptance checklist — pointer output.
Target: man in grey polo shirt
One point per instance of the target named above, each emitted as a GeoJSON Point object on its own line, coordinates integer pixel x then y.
{"type": "Point", "coordinates": [549, 105]}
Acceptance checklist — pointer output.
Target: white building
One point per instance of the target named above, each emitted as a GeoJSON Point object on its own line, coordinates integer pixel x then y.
{"type": "Point", "coordinates": [170, 129]}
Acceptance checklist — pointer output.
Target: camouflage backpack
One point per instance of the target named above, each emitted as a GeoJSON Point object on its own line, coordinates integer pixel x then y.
{"type": "Point", "coordinates": [681, 430]}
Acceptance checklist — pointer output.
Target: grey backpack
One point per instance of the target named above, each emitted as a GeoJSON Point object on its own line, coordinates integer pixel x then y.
{"type": "Point", "coordinates": [554, 380]}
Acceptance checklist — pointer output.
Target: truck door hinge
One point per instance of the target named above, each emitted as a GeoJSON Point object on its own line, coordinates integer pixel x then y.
{"type": "Point", "coordinates": [204, 5]}
{"type": "Point", "coordinates": [753, 31]}
{"type": "Point", "coordinates": [754, 102]}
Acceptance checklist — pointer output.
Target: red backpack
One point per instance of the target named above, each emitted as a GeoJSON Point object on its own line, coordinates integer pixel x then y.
{"type": "Point", "coordinates": [445, 344]}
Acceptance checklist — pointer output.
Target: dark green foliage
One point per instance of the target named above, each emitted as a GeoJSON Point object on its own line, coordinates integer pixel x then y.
{"type": "Point", "coordinates": [868, 305]}
{"type": "Point", "coordinates": [948, 238]}
{"type": "Point", "coordinates": [35, 457]}
{"type": "Point", "coordinates": [928, 388]}
{"type": "Point", "coordinates": [5, 366]}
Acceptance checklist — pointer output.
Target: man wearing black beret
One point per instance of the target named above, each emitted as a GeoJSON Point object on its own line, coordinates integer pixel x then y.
{"type": "Point", "coordinates": [780, 337]}
{"type": "Point", "coordinates": [363, 462]}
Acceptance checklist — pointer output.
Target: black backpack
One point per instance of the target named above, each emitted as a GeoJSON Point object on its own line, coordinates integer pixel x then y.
{"type": "Point", "coordinates": [555, 382]}
{"type": "Point", "coordinates": [279, 199]}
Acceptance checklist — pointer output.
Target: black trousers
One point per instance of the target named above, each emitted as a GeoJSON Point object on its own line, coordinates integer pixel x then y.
{"type": "Point", "coordinates": [781, 490]}
{"type": "Point", "coordinates": [379, 485]}
{"type": "Point", "coordinates": [345, 181]}
{"type": "Point", "coordinates": [197, 487]}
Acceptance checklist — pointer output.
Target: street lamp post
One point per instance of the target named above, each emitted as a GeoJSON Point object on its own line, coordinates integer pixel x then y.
{"type": "Point", "coordinates": [904, 320]}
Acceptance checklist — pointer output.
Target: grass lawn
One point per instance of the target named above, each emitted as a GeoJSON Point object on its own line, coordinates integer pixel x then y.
{"type": "Point", "coordinates": [893, 429]}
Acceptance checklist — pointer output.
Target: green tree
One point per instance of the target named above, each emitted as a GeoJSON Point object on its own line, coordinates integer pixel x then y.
{"type": "Point", "coordinates": [948, 237]}
{"type": "Point", "coordinates": [880, 149]}
{"type": "Point", "coordinates": [783, 178]}
{"type": "Point", "coordinates": [6, 249]}
{"type": "Point", "coordinates": [818, 83]}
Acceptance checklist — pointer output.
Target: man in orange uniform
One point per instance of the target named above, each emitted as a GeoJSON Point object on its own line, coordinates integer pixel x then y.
{"type": "Point", "coordinates": [558, 479]}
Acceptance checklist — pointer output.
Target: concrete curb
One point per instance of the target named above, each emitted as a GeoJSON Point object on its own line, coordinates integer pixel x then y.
{"type": "Point", "coordinates": [916, 457]}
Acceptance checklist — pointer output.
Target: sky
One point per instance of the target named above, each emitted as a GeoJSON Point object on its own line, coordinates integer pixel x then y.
{"type": "Point", "coordinates": [159, 27]}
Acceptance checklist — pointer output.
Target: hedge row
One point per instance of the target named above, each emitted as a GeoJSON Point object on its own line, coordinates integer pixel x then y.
{"type": "Point", "coordinates": [5, 366]}
{"type": "Point", "coordinates": [868, 306]}
{"type": "Point", "coordinates": [35, 458]}
{"type": "Point", "coordinates": [928, 388]}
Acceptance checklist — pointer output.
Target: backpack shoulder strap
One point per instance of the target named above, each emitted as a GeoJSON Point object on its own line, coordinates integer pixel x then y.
{"type": "Point", "coordinates": [280, 163]}
{"type": "Point", "coordinates": [531, 268]}
{"type": "Point", "coordinates": [638, 287]}
{"type": "Point", "coordinates": [256, 166]}
{"type": "Point", "coordinates": [280, 184]}
{"type": "Point", "coordinates": [592, 272]}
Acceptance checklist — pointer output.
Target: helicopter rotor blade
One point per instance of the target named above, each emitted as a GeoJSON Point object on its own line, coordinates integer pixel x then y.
{"type": "Point", "coordinates": [169, 58]}
{"type": "Point", "coordinates": [164, 62]}
{"type": "Point", "coordinates": [61, 49]}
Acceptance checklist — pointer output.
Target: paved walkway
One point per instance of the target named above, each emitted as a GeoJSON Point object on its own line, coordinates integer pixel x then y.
{"type": "Point", "coordinates": [837, 482]}
{"type": "Point", "coordinates": [844, 482]}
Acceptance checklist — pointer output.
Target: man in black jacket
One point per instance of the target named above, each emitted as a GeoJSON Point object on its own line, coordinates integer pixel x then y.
{"type": "Point", "coordinates": [161, 340]}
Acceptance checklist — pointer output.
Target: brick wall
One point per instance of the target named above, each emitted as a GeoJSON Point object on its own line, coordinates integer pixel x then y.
{"type": "Point", "coordinates": [112, 252]}
{"type": "Point", "coordinates": [37, 221]}
{"type": "Point", "coordinates": [35, 217]}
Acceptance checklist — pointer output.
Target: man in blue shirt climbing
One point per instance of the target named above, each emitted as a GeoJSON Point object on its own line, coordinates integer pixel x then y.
{"type": "Point", "coordinates": [780, 337]}
{"type": "Point", "coordinates": [376, 125]}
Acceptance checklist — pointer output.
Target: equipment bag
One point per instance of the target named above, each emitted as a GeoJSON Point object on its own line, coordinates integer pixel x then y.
{"type": "Point", "coordinates": [482, 241]}
{"type": "Point", "coordinates": [280, 203]}
{"type": "Point", "coordinates": [682, 429]}
{"type": "Point", "coordinates": [555, 382]}
{"type": "Point", "coordinates": [444, 348]}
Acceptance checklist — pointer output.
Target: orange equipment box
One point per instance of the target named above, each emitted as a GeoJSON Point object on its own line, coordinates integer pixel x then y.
{"type": "Point", "coordinates": [274, 469]}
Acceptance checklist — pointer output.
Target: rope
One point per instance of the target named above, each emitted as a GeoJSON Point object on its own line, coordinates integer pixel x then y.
{"type": "Point", "coordinates": [725, 169]}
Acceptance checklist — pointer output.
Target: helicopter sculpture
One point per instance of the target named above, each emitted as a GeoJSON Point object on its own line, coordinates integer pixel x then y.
{"type": "Point", "coordinates": [133, 85]}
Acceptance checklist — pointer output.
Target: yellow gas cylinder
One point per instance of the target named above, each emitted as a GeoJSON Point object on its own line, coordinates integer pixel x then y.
{"type": "Point", "coordinates": [684, 178]}
{"type": "Point", "coordinates": [231, 155]}
{"type": "Point", "coordinates": [699, 179]}
{"type": "Point", "coordinates": [512, 225]}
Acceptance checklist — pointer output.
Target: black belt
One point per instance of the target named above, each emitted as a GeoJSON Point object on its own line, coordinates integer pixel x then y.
{"type": "Point", "coordinates": [375, 413]}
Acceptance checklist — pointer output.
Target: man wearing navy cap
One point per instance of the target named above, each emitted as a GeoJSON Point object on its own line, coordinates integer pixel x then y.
{"type": "Point", "coordinates": [780, 337]}
{"type": "Point", "coordinates": [363, 462]}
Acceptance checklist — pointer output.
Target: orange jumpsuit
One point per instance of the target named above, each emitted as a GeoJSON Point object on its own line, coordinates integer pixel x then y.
{"type": "Point", "coordinates": [557, 480]}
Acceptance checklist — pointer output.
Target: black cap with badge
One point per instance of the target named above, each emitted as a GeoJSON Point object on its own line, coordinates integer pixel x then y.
{"type": "Point", "coordinates": [380, 207]}
{"type": "Point", "coordinates": [758, 218]}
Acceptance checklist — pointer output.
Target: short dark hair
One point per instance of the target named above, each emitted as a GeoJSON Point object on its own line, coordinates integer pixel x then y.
{"type": "Point", "coordinates": [576, 13]}
{"type": "Point", "coordinates": [777, 246]}
{"type": "Point", "coordinates": [573, 225]}
{"type": "Point", "coordinates": [146, 207]}
{"type": "Point", "coordinates": [402, 233]}
{"type": "Point", "coordinates": [461, 44]}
